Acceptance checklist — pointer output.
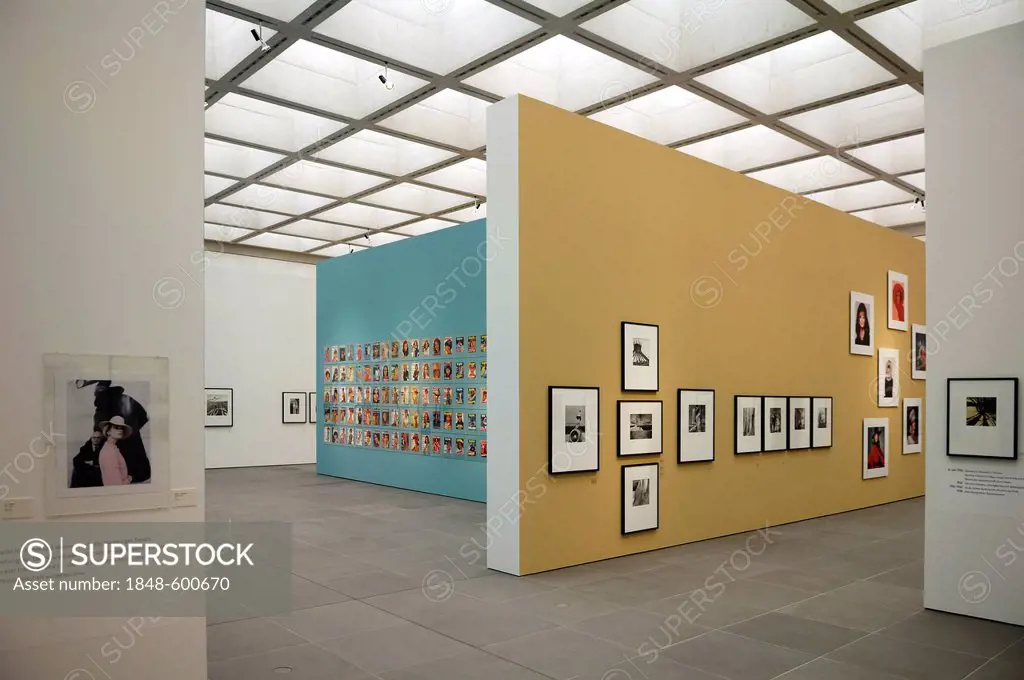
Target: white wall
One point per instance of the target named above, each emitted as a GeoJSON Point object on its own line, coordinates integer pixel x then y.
{"type": "Point", "coordinates": [260, 341]}
{"type": "Point", "coordinates": [974, 554]}
{"type": "Point", "coordinates": [101, 206]}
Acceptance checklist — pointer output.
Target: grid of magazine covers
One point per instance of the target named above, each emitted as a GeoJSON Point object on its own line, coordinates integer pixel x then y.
{"type": "Point", "coordinates": [425, 396]}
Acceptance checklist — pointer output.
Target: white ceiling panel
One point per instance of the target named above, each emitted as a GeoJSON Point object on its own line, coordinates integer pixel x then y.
{"type": "Point", "coordinates": [469, 175]}
{"type": "Point", "coordinates": [437, 35]}
{"type": "Point", "coordinates": [949, 20]}
{"type": "Point", "coordinates": [220, 232]}
{"type": "Point", "coordinates": [236, 160]}
{"type": "Point", "coordinates": [241, 217]}
{"type": "Point", "coordinates": [324, 179]}
{"type": "Point", "coordinates": [562, 72]}
{"type": "Point", "coordinates": [414, 198]}
{"type": "Point", "coordinates": [892, 216]}
{"type": "Point", "coordinates": [330, 80]}
{"type": "Point", "coordinates": [468, 214]}
{"type": "Point", "coordinates": [900, 30]}
{"type": "Point", "coordinates": [559, 7]}
{"type": "Point", "coordinates": [849, 5]}
{"type": "Point", "coordinates": [258, 122]}
{"type": "Point", "coordinates": [682, 34]}
{"type": "Point", "coordinates": [669, 115]}
{"type": "Point", "coordinates": [894, 157]}
{"type": "Point", "coordinates": [861, 196]}
{"type": "Point", "coordinates": [381, 238]}
{"type": "Point", "coordinates": [228, 41]}
{"type": "Point", "coordinates": [286, 10]}
{"type": "Point", "coordinates": [813, 69]}
{"type": "Point", "coordinates": [916, 179]}
{"type": "Point", "coordinates": [861, 120]}
{"type": "Point", "coordinates": [261, 197]}
{"type": "Point", "coordinates": [424, 227]}
{"type": "Point", "coordinates": [213, 184]}
{"type": "Point", "coordinates": [326, 231]}
{"type": "Point", "coordinates": [449, 117]}
{"type": "Point", "coordinates": [337, 250]}
{"type": "Point", "coordinates": [814, 174]}
{"type": "Point", "coordinates": [368, 216]}
{"type": "Point", "coordinates": [748, 148]}
{"type": "Point", "coordinates": [384, 153]}
{"type": "Point", "coordinates": [295, 244]}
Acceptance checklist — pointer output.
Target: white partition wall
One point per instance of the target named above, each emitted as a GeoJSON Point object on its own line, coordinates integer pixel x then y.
{"type": "Point", "coordinates": [974, 556]}
{"type": "Point", "coordinates": [101, 180]}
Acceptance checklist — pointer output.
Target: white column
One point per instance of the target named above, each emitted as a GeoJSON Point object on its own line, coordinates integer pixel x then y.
{"type": "Point", "coordinates": [101, 207]}
{"type": "Point", "coordinates": [974, 555]}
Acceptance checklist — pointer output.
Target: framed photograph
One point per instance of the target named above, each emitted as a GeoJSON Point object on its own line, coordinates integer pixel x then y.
{"type": "Point", "coordinates": [913, 426]}
{"type": "Point", "coordinates": [919, 347]}
{"type": "Point", "coordinates": [574, 430]}
{"type": "Point", "coordinates": [898, 304]}
{"type": "Point", "coordinates": [220, 407]}
{"type": "Point", "coordinates": [981, 417]}
{"type": "Point", "coordinates": [639, 357]}
{"type": "Point", "coordinates": [747, 424]}
{"type": "Point", "coordinates": [293, 407]}
{"type": "Point", "coordinates": [775, 424]}
{"type": "Point", "coordinates": [640, 428]}
{"type": "Point", "coordinates": [799, 423]}
{"type": "Point", "coordinates": [696, 426]}
{"type": "Point", "coordinates": [821, 417]}
{"type": "Point", "coordinates": [888, 377]}
{"type": "Point", "coordinates": [876, 448]}
{"type": "Point", "coordinates": [639, 497]}
{"type": "Point", "coordinates": [862, 324]}
{"type": "Point", "coordinates": [112, 450]}
{"type": "Point", "coordinates": [313, 404]}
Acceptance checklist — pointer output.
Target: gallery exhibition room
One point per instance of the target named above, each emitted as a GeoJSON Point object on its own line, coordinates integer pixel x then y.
{"type": "Point", "coordinates": [512, 340]}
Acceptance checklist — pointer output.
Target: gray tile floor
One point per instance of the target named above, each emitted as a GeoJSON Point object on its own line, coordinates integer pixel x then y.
{"type": "Point", "coordinates": [391, 584]}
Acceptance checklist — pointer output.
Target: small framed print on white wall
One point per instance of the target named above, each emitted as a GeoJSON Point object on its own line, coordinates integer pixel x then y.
{"type": "Point", "coordinates": [981, 417]}
{"type": "Point", "coordinates": [293, 407]}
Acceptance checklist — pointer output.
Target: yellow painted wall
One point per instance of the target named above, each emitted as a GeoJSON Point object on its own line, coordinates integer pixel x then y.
{"type": "Point", "coordinates": [615, 228]}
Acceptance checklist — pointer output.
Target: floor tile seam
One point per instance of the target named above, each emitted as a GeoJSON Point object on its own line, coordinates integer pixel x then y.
{"type": "Point", "coordinates": [678, 663]}
{"type": "Point", "coordinates": [302, 643]}
{"type": "Point", "coordinates": [1004, 650]}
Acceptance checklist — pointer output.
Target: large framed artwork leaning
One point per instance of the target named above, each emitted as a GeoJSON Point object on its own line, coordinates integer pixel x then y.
{"type": "Point", "coordinates": [775, 425]}
{"type": "Point", "coordinates": [293, 407]}
{"type": "Point", "coordinates": [574, 429]}
{"type": "Point", "coordinates": [696, 425]}
{"type": "Point", "coordinates": [821, 415]}
{"type": "Point", "coordinates": [640, 428]}
{"type": "Point", "coordinates": [639, 357]}
{"type": "Point", "coordinates": [799, 423]}
{"type": "Point", "coordinates": [747, 424]}
{"type": "Point", "coordinates": [862, 323]}
{"type": "Point", "coordinates": [981, 418]}
{"type": "Point", "coordinates": [220, 407]}
{"type": "Point", "coordinates": [640, 497]}
{"type": "Point", "coordinates": [876, 448]}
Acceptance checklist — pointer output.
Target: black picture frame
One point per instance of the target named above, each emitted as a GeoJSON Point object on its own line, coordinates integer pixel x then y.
{"type": "Point", "coordinates": [618, 427]}
{"type": "Point", "coordinates": [764, 424]}
{"type": "Point", "coordinates": [679, 425]}
{"type": "Point", "coordinates": [284, 400]}
{"type": "Point", "coordinates": [551, 422]}
{"type": "Point", "coordinates": [736, 422]}
{"type": "Point", "coordinates": [622, 356]}
{"type": "Point", "coordinates": [1016, 421]}
{"type": "Point", "coordinates": [831, 428]}
{"type": "Point", "coordinates": [313, 407]}
{"type": "Point", "coordinates": [231, 411]}
{"type": "Point", "coordinates": [790, 424]}
{"type": "Point", "coordinates": [622, 498]}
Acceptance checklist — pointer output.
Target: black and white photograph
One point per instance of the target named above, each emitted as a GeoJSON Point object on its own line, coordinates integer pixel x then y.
{"type": "Point", "coordinates": [574, 429]}
{"type": "Point", "coordinates": [913, 426]}
{"type": "Point", "coordinates": [862, 324]}
{"type": "Point", "coordinates": [981, 417]}
{"type": "Point", "coordinates": [696, 425]}
{"type": "Point", "coordinates": [875, 455]}
{"type": "Point", "coordinates": [639, 428]}
{"type": "Point", "coordinates": [639, 357]}
{"type": "Point", "coordinates": [107, 421]}
{"type": "Point", "coordinates": [919, 349]}
{"type": "Point", "coordinates": [821, 435]}
{"type": "Point", "coordinates": [220, 407]}
{"type": "Point", "coordinates": [799, 423]}
{"type": "Point", "coordinates": [293, 407]}
{"type": "Point", "coordinates": [775, 424]}
{"type": "Point", "coordinates": [313, 407]}
{"type": "Point", "coordinates": [748, 422]}
{"type": "Point", "coordinates": [888, 377]}
{"type": "Point", "coordinates": [640, 497]}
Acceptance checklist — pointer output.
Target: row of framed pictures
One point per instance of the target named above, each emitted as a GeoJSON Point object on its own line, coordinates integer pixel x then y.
{"type": "Point", "coordinates": [769, 424]}
{"type": "Point", "coordinates": [447, 395]}
{"type": "Point", "coordinates": [296, 407]}
{"type": "Point", "coordinates": [407, 442]}
{"type": "Point", "coordinates": [408, 348]}
{"type": "Point", "coordinates": [406, 372]}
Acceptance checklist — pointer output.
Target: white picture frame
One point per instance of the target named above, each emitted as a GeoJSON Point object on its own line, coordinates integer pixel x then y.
{"type": "Point", "coordinates": [919, 352]}
{"type": "Point", "coordinates": [799, 423]}
{"type": "Point", "coordinates": [888, 377]}
{"type": "Point", "coordinates": [981, 418]}
{"type": "Point", "coordinates": [696, 425]}
{"type": "Point", "coordinates": [640, 497]}
{"type": "Point", "coordinates": [913, 425]}
{"type": "Point", "coordinates": [821, 419]}
{"type": "Point", "coordinates": [862, 343]}
{"type": "Point", "coordinates": [640, 357]}
{"type": "Point", "coordinates": [747, 424]}
{"type": "Point", "coordinates": [875, 451]}
{"type": "Point", "coordinates": [898, 310]}
{"type": "Point", "coordinates": [574, 429]}
{"type": "Point", "coordinates": [775, 423]}
{"type": "Point", "coordinates": [640, 428]}
{"type": "Point", "coordinates": [220, 407]}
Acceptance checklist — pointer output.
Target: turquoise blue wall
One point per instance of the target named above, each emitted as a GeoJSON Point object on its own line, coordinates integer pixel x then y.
{"type": "Point", "coordinates": [431, 286]}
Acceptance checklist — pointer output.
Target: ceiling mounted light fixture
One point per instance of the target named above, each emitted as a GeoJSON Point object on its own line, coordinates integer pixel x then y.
{"type": "Point", "coordinates": [384, 80]}
{"type": "Point", "coordinates": [258, 37]}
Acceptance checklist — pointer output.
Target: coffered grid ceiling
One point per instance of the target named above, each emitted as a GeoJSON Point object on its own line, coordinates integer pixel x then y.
{"type": "Point", "coordinates": [308, 151]}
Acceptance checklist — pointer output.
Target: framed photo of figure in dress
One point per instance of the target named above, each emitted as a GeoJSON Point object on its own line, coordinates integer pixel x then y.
{"type": "Point", "coordinates": [639, 357]}
{"type": "Point", "coordinates": [981, 418]}
{"type": "Point", "coordinates": [293, 407]}
{"type": "Point", "coordinates": [747, 424]}
{"type": "Point", "coordinates": [821, 417]}
{"type": "Point", "coordinates": [799, 423]}
{"type": "Point", "coordinates": [639, 428]}
{"type": "Point", "coordinates": [876, 448]}
{"type": "Point", "coordinates": [696, 425]}
{"type": "Point", "coordinates": [574, 429]}
{"type": "Point", "coordinates": [899, 305]}
{"type": "Point", "coordinates": [888, 377]}
{"type": "Point", "coordinates": [862, 324]}
{"type": "Point", "coordinates": [913, 426]}
{"type": "Point", "coordinates": [220, 407]}
{"type": "Point", "coordinates": [776, 424]}
{"type": "Point", "coordinates": [919, 349]}
{"type": "Point", "coordinates": [639, 497]}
